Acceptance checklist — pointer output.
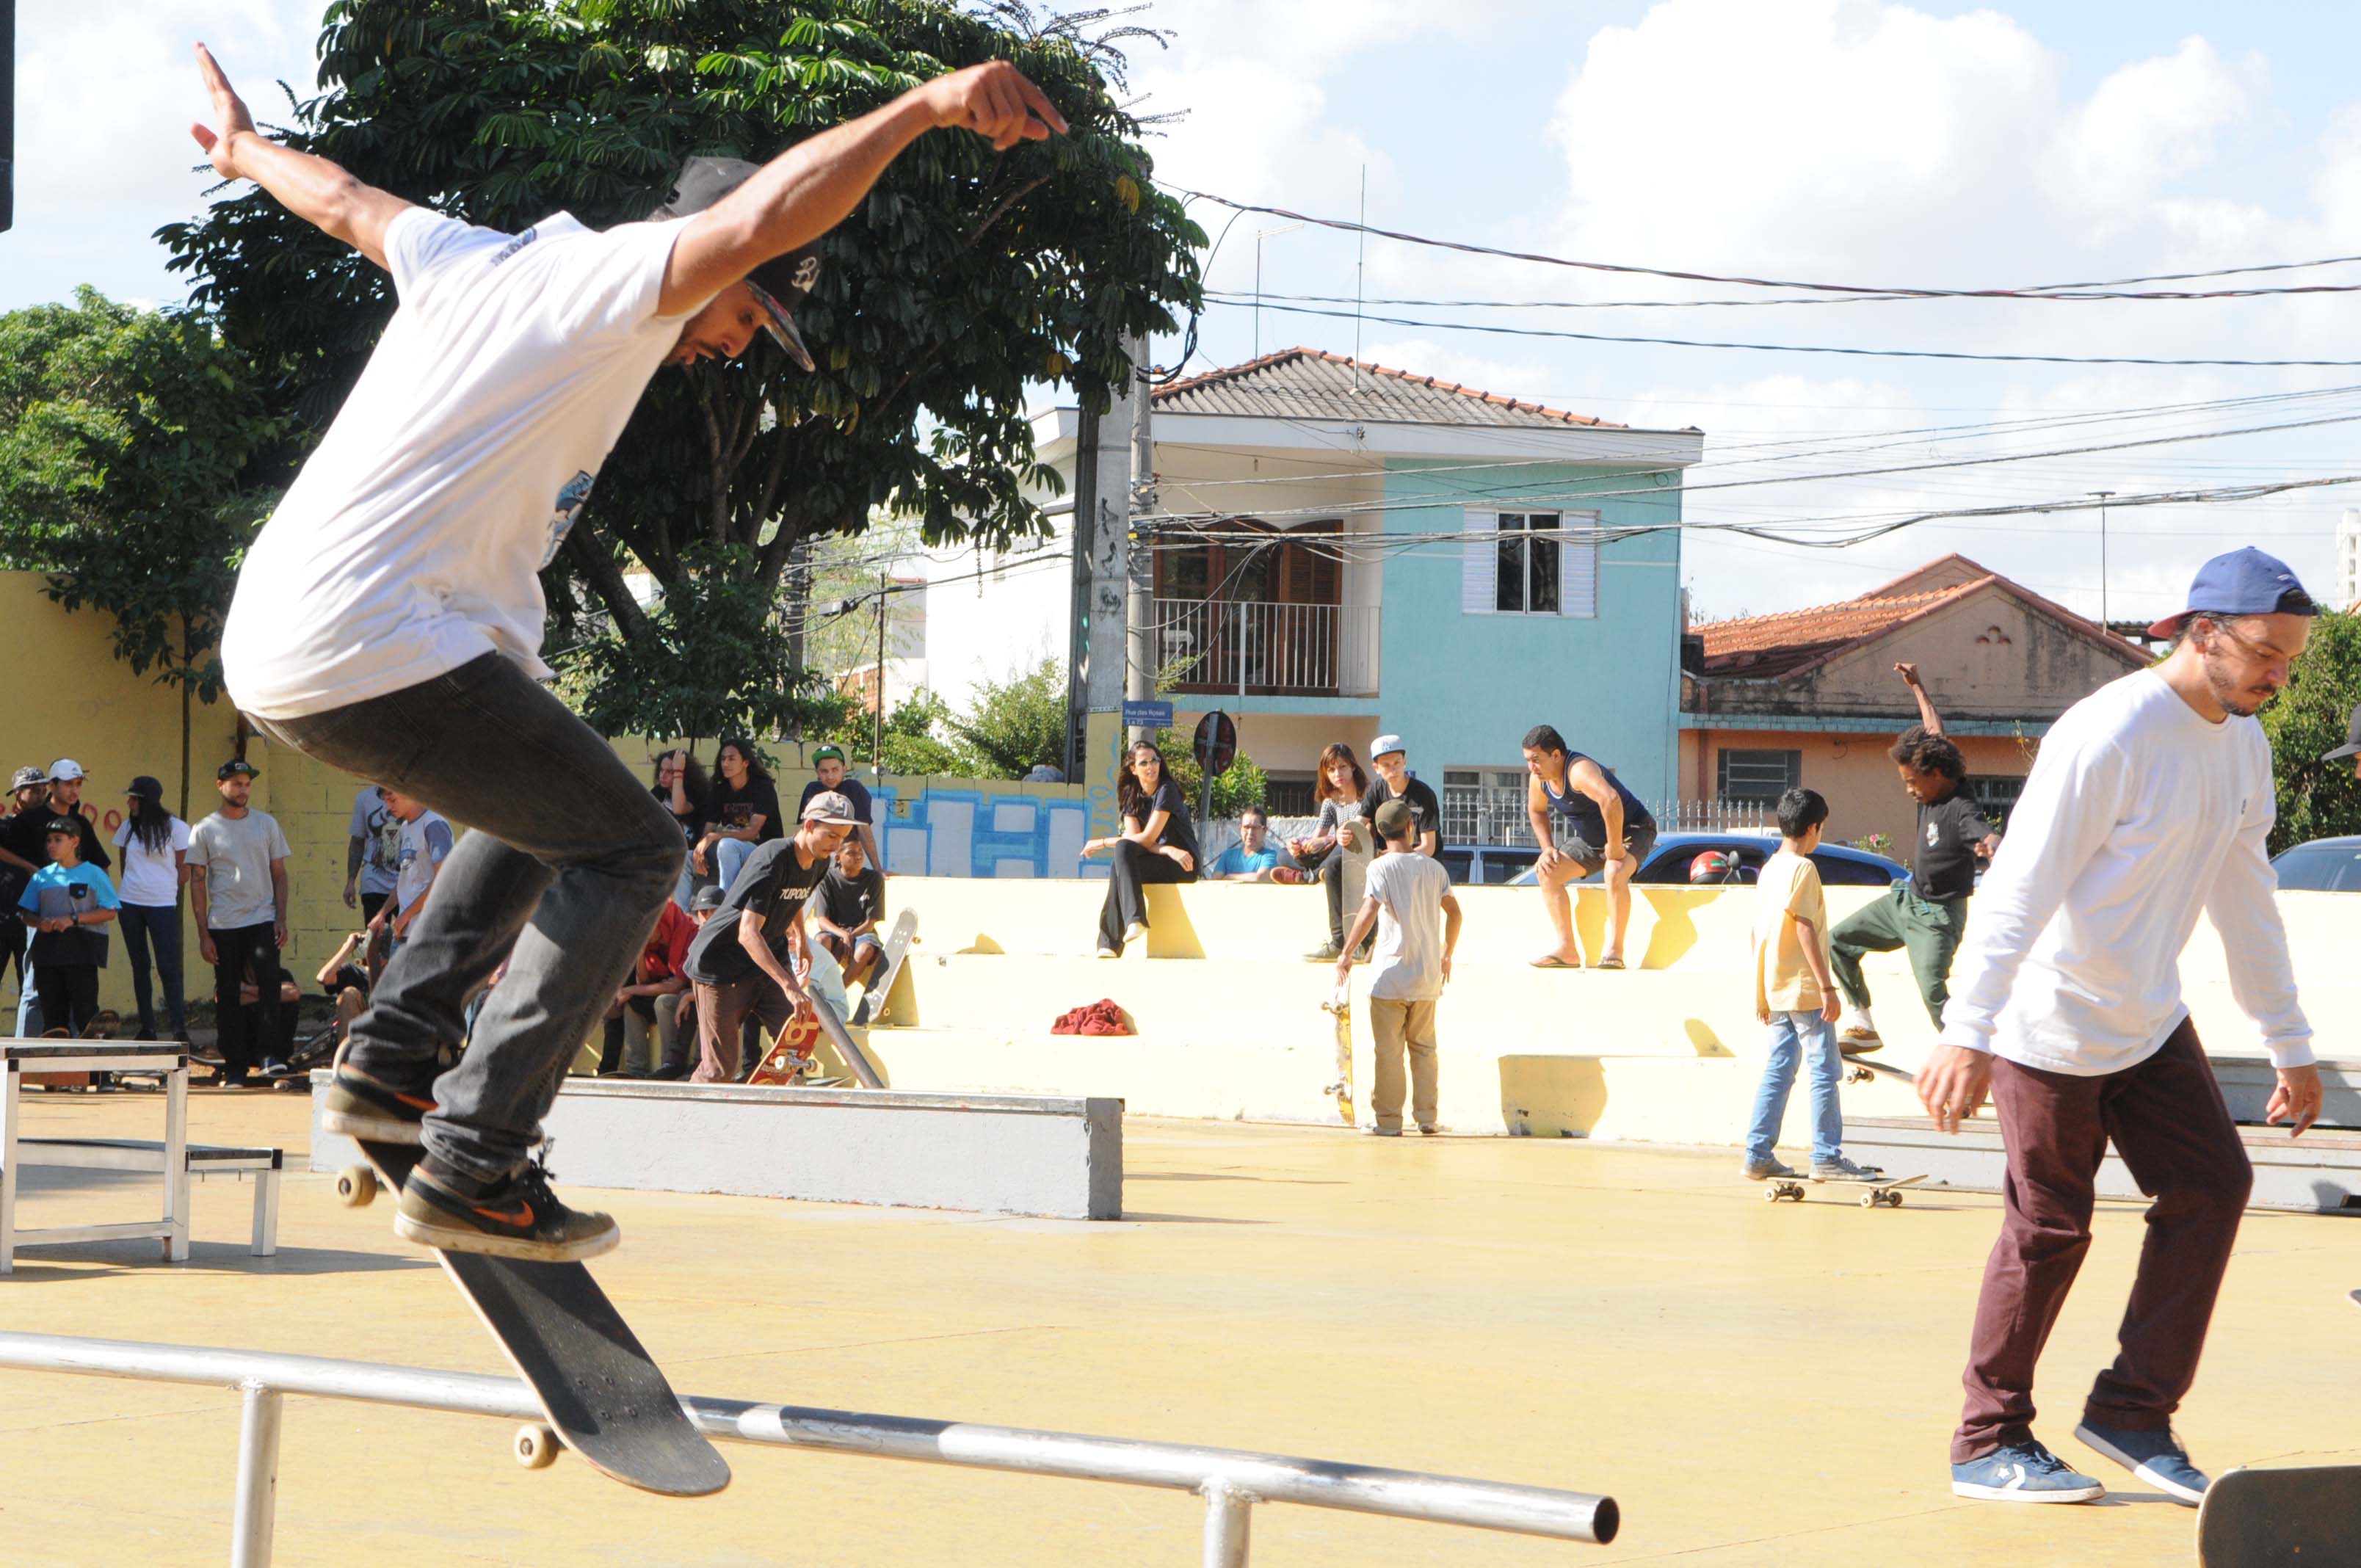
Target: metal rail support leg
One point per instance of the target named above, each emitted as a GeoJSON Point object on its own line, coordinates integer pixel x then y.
{"type": "Point", "coordinates": [257, 1478]}
{"type": "Point", "coordinates": [1228, 1514]}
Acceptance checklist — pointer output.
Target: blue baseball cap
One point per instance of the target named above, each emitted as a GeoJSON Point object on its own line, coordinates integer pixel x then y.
{"type": "Point", "coordinates": [2244, 582]}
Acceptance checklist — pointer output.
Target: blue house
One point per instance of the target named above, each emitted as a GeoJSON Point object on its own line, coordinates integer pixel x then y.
{"type": "Point", "coordinates": [1342, 550]}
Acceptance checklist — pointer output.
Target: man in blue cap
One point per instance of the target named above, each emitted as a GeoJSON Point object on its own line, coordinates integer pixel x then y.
{"type": "Point", "coordinates": [2150, 802]}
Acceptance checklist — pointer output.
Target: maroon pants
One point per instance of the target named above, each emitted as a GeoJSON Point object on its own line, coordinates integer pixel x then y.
{"type": "Point", "coordinates": [2171, 1129]}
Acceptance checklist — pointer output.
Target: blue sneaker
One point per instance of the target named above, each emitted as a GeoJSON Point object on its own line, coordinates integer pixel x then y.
{"type": "Point", "coordinates": [2155, 1455]}
{"type": "Point", "coordinates": [2024, 1472]}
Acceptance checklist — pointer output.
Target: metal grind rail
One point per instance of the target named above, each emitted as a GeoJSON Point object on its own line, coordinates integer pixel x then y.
{"type": "Point", "coordinates": [1232, 1482]}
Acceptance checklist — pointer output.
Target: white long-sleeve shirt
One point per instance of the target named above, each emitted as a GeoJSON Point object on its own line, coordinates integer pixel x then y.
{"type": "Point", "coordinates": [2139, 813]}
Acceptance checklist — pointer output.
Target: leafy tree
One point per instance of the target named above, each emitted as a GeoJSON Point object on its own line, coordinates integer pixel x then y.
{"type": "Point", "coordinates": [1245, 784]}
{"type": "Point", "coordinates": [1016, 723]}
{"type": "Point", "coordinates": [131, 444]}
{"type": "Point", "coordinates": [966, 274]}
{"type": "Point", "coordinates": [2317, 799]}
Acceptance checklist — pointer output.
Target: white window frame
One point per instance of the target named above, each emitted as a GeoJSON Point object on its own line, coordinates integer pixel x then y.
{"type": "Point", "coordinates": [1576, 536]}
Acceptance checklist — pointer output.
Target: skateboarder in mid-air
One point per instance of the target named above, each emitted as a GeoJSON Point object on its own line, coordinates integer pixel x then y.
{"type": "Point", "coordinates": [388, 621]}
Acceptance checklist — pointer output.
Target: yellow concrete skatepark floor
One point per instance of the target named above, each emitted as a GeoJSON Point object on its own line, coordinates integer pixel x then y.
{"type": "Point", "coordinates": [1757, 1385]}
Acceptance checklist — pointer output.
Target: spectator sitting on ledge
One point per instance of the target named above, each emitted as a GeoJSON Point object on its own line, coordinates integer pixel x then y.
{"type": "Point", "coordinates": [847, 908]}
{"type": "Point", "coordinates": [1252, 858]}
{"type": "Point", "coordinates": [1157, 844]}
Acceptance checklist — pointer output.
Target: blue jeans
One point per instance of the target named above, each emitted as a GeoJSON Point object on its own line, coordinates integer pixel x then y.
{"type": "Point", "coordinates": [158, 927]}
{"type": "Point", "coordinates": [729, 854]}
{"type": "Point", "coordinates": [1793, 1035]}
{"type": "Point", "coordinates": [569, 859]}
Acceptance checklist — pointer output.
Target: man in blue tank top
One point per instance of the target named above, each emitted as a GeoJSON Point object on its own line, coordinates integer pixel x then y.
{"type": "Point", "coordinates": [1586, 822]}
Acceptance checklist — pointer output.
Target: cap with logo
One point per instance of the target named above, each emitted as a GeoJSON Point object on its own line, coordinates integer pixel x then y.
{"type": "Point", "coordinates": [830, 806]}
{"type": "Point", "coordinates": [1394, 820]}
{"type": "Point", "coordinates": [27, 778]}
{"type": "Point", "coordinates": [704, 901]}
{"type": "Point", "coordinates": [146, 787]}
{"type": "Point", "coordinates": [2244, 582]}
{"type": "Point", "coordinates": [2352, 746]}
{"type": "Point", "coordinates": [1385, 743]}
{"type": "Point", "coordinates": [65, 824]}
{"type": "Point", "coordinates": [828, 754]}
{"type": "Point", "coordinates": [65, 769]}
{"type": "Point", "coordinates": [779, 284]}
{"type": "Point", "coordinates": [237, 770]}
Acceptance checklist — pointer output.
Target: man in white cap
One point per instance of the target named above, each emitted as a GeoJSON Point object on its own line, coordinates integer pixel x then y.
{"type": "Point", "coordinates": [389, 619]}
{"type": "Point", "coordinates": [2151, 801]}
{"type": "Point", "coordinates": [1389, 762]}
{"type": "Point", "coordinates": [65, 800]}
{"type": "Point", "coordinates": [752, 957]}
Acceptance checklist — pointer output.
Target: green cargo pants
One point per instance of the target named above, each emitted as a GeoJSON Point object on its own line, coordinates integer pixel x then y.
{"type": "Point", "coordinates": [1930, 929]}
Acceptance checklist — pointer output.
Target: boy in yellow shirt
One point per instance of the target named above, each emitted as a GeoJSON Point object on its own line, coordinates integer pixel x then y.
{"type": "Point", "coordinates": [1795, 993]}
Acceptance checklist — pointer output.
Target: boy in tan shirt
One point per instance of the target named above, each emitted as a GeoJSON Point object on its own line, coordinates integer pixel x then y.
{"type": "Point", "coordinates": [1795, 993]}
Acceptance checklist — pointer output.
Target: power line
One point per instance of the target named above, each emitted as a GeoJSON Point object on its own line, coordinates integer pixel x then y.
{"type": "Point", "coordinates": [2082, 291]}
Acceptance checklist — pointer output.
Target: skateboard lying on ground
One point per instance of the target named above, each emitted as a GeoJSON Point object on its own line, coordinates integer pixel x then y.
{"type": "Point", "coordinates": [1881, 1190]}
{"type": "Point", "coordinates": [605, 1398]}
{"type": "Point", "coordinates": [878, 987]}
{"type": "Point", "coordinates": [2280, 1519]}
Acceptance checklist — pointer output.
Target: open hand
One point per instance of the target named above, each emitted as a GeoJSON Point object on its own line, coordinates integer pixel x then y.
{"type": "Point", "coordinates": [2296, 1100]}
{"type": "Point", "coordinates": [1953, 1083]}
{"type": "Point", "coordinates": [996, 102]}
{"type": "Point", "coordinates": [229, 114]}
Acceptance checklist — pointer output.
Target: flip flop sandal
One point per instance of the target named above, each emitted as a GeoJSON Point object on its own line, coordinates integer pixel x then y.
{"type": "Point", "coordinates": [1554, 961]}
{"type": "Point", "coordinates": [1608, 963]}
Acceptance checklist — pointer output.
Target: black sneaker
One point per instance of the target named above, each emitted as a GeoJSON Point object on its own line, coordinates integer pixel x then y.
{"type": "Point", "coordinates": [516, 1217]}
{"type": "Point", "coordinates": [671, 1072]}
{"type": "Point", "coordinates": [363, 1105]}
{"type": "Point", "coordinates": [275, 1067]}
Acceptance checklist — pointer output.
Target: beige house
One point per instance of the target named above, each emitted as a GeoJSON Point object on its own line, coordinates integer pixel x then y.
{"type": "Point", "coordinates": [1810, 697]}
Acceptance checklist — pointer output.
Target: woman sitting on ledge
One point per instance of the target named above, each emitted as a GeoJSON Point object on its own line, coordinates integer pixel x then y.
{"type": "Point", "coordinates": [1157, 844]}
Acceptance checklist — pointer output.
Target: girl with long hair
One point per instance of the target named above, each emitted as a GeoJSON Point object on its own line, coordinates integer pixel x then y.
{"type": "Point", "coordinates": [680, 787]}
{"type": "Point", "coordinates": [155, 846]}
{"type": "Point", "coordinates": [742, 810]}
{"type": "Point", "coordinates": [1157, 844]}
{"type": "Point", "coordinates": [1339, 788]}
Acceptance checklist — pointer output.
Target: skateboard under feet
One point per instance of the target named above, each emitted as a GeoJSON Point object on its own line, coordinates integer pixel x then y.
{"type": "Point", "coordinates": [1884, 1192]}
{"type": "Point", "coordinates": [604, 1395]}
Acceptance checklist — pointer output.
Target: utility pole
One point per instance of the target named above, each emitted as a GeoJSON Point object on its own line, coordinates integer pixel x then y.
{"type": "Point", "coordinates": [2103, 496]}
{"type": "Point", "coordinates": [877, 742]}
{"type": "Point", "coordinates": [1099, 616]}
{"type": "Point", "coordinates": [1139, 662]}
{"type": "Point", "coordinates": [1080, 564]}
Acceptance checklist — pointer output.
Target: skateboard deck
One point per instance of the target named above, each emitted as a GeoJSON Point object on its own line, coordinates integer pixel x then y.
{"type": "Point", "coordinates": [846, 1045]}
{"type": "Point", "coordinates": [604, 1395]}
{"type": "Point", "coordinates": [2280, 1519]}
{"type": "Point", "coordinates": [1861, 1070]}
{"type": "Point", "coordinates": [1339, 1006]}
{"type": "Point", "coordinates": [878, 989]}
{"type": "Point", "coordinates": [789, 1057]}
{"type": "Point", "coordinates": [1883, 1192]}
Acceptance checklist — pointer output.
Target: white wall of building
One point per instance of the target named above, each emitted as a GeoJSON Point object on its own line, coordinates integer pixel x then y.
{"type": "Point", "coordinates": [2348, 558]}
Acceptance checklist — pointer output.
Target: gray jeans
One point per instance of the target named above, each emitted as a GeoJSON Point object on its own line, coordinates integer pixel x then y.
{"type": "Point", "coordinates": [569, 859]}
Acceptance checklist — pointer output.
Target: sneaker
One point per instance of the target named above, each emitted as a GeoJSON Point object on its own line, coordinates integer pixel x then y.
{"type": "Point", "coordinates": [1377, 1132]}
{"type": "Point", "coordinates": [363, 1105]}
{"type": "Point", "coordinates": [1107, 953]}
{"type": "Point", "coordinates": [515, 1217]}
{"type": "Point", "coordinates": [1135, 931]}
{"type": "Point", "coordinates": [1770, 1170]}
{"type": "Point", "coordinates": [1844, 1169]}
{"type": "Point", "coordinates": [2024, 1472]}
{"type": "Point", "coordinates": [1326, 953]}
{"type": "Point", "coordinates": [1428, 1129]}
{"type": "Point", "coordinates": [1858, 1039]}
{"type": "Point", "coordinates": [671, 1072]}
{"type": "Point", "coordinates": [1290, 876]}
{"type": "Point", "coordinates": [275, 1067]}
{"type": "Point", "coordinates": [2154, 1454]}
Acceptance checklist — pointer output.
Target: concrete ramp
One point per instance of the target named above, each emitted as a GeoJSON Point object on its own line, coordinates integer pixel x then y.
{"type": "Point", "coordinates": [987, 1154]}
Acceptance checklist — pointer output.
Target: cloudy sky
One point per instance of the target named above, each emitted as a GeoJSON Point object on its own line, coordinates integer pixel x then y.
{"type": "Point", "coordinates": [1817, 141]}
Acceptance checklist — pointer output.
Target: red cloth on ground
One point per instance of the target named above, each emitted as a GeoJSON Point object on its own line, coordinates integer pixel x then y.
{"type": "Point", "coordinates": [1100, 1017]}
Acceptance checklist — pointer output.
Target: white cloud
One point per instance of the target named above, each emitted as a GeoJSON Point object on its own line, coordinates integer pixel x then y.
{"type": "Point", "coordinates": [2149, 122]}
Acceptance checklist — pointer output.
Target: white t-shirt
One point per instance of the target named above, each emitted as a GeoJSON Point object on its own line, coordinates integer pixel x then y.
{"type": "Point", "coordinates": [1408, 888]}
{"type": "Point", "coordinates": [380, 835]}
{"type": "Point", "coordinates": [410, 541]}
{"type": "Point", "coordinates": [425, 845]}
{"type": "Point", "coordinates": [2137, 815]}
{"type": "Point", "coordinates": [150, 879]}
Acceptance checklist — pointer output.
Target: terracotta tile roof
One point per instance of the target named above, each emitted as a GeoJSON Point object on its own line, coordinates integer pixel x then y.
{"type": "Point", "coordinates": [1767, 647]}
{"type": "Point", "coordinates": [1305, 383]}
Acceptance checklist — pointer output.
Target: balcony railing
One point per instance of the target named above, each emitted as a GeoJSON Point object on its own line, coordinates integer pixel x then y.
{"type": "Point", "coordinates": [1270, 650]}
{"type": "Point", "coordinates": [1494, 815]}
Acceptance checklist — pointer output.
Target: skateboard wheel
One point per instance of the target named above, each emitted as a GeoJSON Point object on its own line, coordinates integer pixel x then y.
{"type": "Point", "coordinates": [1893, 1200]}
{"type": "Point", "coordinates": [1870, 1199]}
{"type": "Point", "coordinates": [355, 1186]}
{"type": "Point", "coordinates": [536, 1446]}
{"type": "Point", "coordinates": [1771, 1194]}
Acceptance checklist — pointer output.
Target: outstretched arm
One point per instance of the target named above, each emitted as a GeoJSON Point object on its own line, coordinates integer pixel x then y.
{"type": "Point", "coordinates": [312, 187]}
{"type": "Point", "coordinates": [808, 188]}
{"type": "Point", "coordinates": [1928, 720]}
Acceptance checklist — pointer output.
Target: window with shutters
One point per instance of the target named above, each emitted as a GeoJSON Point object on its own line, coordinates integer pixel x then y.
{"type": "Point", "coordinates": [1536, 563]}
{"type": "Point", "coordinates": [1760, 776]}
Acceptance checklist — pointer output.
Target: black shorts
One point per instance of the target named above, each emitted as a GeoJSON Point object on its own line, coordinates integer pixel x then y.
{"type": "Point", "coordinates": [1592, 858]}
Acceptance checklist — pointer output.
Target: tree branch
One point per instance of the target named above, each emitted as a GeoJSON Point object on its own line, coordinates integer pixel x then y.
{"type": "Point", "coordinates": [607, 580]}
{"type": "Point", "coordinates": [1001, 209]}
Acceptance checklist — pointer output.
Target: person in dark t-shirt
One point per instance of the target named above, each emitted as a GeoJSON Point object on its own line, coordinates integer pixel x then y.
{"type": "Point", "coordinates": [752, 956]}
{"type": "Point", "coordinates": [847, 909]}
{"type": "Point", "coordinates": [740, 814]}
{"type": "Point", "coordinates": [1928, 915]}
{"type": "Point", "coordinates": [828, 762]}
{"type": "Point", "coordinates": [1157, 844]}
{"type": "Point", "coordinates": [681, 787]}
{"type": "Point", "coordinates": [1394, 782]}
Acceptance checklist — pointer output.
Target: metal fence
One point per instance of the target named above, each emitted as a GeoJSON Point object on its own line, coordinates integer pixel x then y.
{"type": "Point", "coordinates": [1230, 1481]}
{"type": "Point", "coordinates": [1316, 650]}
{"type": "Point", "coordinates": [1495, 815]}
